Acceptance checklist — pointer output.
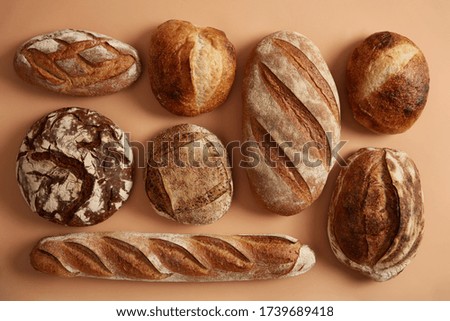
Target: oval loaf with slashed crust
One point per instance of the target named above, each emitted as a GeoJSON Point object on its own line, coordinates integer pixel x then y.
{"type": "Point", "coordinates": [77, 62]}
{"type": "Point", "coordinates": [291, 119]}
{"type": "Point", "coordinates": [375, 222]}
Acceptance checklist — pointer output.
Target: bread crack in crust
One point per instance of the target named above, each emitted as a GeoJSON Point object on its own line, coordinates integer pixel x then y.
{"type": "Point", "coordinates": [75, 167]}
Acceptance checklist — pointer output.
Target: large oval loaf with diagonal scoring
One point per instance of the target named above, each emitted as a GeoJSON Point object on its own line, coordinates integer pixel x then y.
{"type": "Point", "coordinates": [291, 120]}
{"type": "Point", "coordinates": [77, 62]}
{"type": "Point", "coordinates": [172, 257]}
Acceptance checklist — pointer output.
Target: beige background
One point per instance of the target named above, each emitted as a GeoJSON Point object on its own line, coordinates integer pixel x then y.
{"type": "Point", "coordinates": [335, 27]}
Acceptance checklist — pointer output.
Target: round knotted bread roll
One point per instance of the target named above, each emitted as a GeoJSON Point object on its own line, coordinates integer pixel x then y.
{"type": "Point", "coordinates": [387, 83]}
{"type": "Point", "coordinates": [75, 167]}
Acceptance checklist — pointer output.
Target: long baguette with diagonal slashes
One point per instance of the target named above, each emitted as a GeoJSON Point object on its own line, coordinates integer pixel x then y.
{"type": "Point", "coordinates": [291, 119]}
{"type": "Point", "coordinates": [172, 257]}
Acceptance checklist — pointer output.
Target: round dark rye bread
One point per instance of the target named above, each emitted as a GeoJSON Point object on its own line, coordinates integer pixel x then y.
{"type": "Point", "coordinates": [75, 167]}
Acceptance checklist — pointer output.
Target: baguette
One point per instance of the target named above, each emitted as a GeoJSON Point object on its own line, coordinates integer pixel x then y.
{"type": "Point", "coordinates": [172, 257]}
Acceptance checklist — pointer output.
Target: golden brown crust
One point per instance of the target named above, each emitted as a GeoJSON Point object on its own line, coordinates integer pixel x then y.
{"type": "Point", "coordinates": [291, 118]}
{"type": "Point", "coordinates": [387, 83]}
{"type": "Point", "coordinates": [171, 257]}
{"type": "Point", "coordinates": [375, 221]}
{"type": "Point", "coordinates": [77, 62]}
{"type": "Point", "coordinates": [191, 68]}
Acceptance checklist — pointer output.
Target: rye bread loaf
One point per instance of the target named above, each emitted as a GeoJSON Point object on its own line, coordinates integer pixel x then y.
{"type": "Point", "coordinates": [375, 222]}
{"type": "Point", "coordinates": [191, 68]}
{"type": "Point", "coordinates": [172, 257]}
{"type": "Point", "coordinates": [387, 83]}
{"type": "Point", "coordinates": [188, 176]}
{"type": "Point", "coordinates": [291, 119]}
{"type": "Point", "coordinates": [75, 167]}
{"type": "Point", "coordinates": [77, 62]}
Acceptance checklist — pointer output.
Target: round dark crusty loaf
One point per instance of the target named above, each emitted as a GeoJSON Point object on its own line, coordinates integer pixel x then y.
{"type": "Point", "coordinates": [291, 118]}
{"type": "Point", "coordinates": [77, 62]}
{"type": "Point", "coordinates": [188, 176]}
{"type": "Point", "coordinates": [387, 83]}
{"type": "Point", "coordinates": [191, 68]}
{"type": "Point", "coordinates": [172, 257]}
{"type": "Point", "coordinates": [375, 222]}
{"type": "Point", "coordinates": [74, 167]}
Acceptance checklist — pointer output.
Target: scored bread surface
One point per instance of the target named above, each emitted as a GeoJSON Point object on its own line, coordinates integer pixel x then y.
{"type": "Point", "coordinates": [172, 257]}
{"type": "Point", "coordinates": [188, 176]}
{"type": "Point", "coordinates": [77, 62]}
{"type": "Point", "coordinates": [191, 68]}
{"type": "Point", "coordinates": [375, 222]}
{"type": "Point", "coordinates": [292, 115]}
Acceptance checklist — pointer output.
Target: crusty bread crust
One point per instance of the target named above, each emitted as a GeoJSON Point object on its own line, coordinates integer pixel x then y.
{"type": "Point", "coordinates": [75, 167]}
{"type": "Point", "coordinates": [292, 115]}
{"type": "Point", "coordinates": [191, 68]}
{"type": "Point", "coordinates": [188, 176]}
{"type": "Point", "coordinates": [172, 257]}
{"type": "Point", "coordinates": [387, 83]}
{"type": "Point", "coordinates": [375, 220]}
{"type": "Point", "coordinates": [77, 62]}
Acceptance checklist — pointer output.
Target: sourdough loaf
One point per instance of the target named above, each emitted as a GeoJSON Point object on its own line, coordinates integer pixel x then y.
{"type": "Point", "coordinates": [188, 175]}
{"type": "Point", "coordinates": [77, 62]}
{"type": "Point", "coordinates": [375, 222]}
{"type": "Point", "coordinates": [191, 68]}
{"type": "Point", "coordinates": [291, 119]}
{"type": "Point", "coordinates": [387, 83]}
{"type": "Point", "coordinates": [75, 167]}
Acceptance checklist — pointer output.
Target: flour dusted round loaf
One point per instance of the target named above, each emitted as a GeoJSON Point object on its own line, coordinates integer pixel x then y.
{"type": "Point", "coordinates": [375, 222]}
{"type": "Point", "coordinates": [75, 167]}
{"type": "Point", "coordinates": [188, 176]}
{"type": "Point", "coordinates": [77, 62]}
{"type": "Point", "coordinates": [191, 68]}
{"type": "Point", "coordinates": [387, 83]}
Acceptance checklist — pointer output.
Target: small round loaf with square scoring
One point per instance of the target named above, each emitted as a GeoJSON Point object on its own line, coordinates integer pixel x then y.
{"type": "Point", "coordinates": [188, 176]}
{"type": "Point", "coordinates": [387, 83]}
{"type": "Point", "coordinates": [75, 167]}
{"type": "Point", "coordinates": [77, 63]}
{"type": "Point", "coordinates": [375, 222]}
{"type": "Point", "coordinates": [191, 68]}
